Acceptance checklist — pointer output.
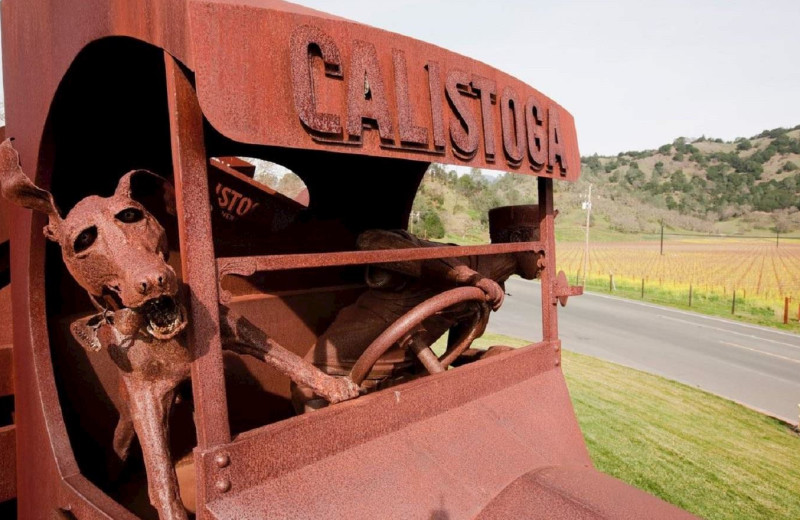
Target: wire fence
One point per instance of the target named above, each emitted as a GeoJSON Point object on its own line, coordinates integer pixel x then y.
{"type": "Point", "coordinates": [754, 280]}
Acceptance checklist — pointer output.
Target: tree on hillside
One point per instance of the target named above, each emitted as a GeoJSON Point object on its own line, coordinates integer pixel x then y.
{"type": "Point", "coordinates": [678, 181]}
{"type": "Point", "coordinates": [431, 225]}
{"type": "Point", "coordinates": [634, 176]}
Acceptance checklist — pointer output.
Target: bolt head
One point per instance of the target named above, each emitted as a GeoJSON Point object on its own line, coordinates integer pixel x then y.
{"type": "Point", "coordinates": [223, 486]}
{"type": "Point", "coordinates": [222, 460]}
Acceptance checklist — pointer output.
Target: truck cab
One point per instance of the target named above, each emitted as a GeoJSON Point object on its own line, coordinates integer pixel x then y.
{"type": "Point", "coordinates": [200, 91]}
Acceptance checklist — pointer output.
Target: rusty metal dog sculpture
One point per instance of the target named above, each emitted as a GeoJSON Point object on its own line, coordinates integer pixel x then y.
{"type": "Point", "coordinates": [116, 250]}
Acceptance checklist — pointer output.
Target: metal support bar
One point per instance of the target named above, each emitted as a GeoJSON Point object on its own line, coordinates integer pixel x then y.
{"type": "Point", "coordinates": [249, 265]}
{"type": "Point", "coordinates": [198, 265]}
{"type": "Point", "coordinates": [547, 236]}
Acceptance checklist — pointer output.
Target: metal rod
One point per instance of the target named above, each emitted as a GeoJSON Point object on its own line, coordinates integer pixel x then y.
{"type": "Point", "coordinates": [588, 222]}
{"type": "Point", "coordinates": [248, 265]}
{"type": "Point", "coordinates": [786, 301]}
{"type": "Point", "coordinates": [197, 261]}
{"type": "Point", "coordinates": [547, 234]}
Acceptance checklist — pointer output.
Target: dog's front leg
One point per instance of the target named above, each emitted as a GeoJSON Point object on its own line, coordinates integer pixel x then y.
{"type": "Point", "coordinates": [241, 336]}
{"type": "Point", "coordinates": [124, 432]}
{"type": "Point", "coordinates": [150, 403]}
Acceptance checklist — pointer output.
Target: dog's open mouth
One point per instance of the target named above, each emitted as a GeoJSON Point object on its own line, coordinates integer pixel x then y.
{"type": "Point", "coordinates": [165, 317]}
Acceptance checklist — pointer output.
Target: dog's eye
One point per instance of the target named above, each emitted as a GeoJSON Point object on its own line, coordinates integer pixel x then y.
{"type": "Point", "coordinates": [85, 239]}
{"type": "Point", "coordinates": [129, 215]}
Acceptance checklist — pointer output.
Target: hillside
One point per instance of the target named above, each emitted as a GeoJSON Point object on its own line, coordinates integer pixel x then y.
{"type": "Point", "coordinates": [750, 185]}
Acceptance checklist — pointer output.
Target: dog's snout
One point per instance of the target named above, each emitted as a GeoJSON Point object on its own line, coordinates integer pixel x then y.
{"type": "Point", "coordinates": [151, 282]}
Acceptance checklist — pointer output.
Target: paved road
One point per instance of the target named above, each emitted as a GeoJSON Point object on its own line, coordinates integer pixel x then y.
{"type": "Point", "coordinates": [755, 366]}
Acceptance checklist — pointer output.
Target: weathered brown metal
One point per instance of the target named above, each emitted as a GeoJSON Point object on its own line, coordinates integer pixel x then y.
{"type": "Point", "coordinates": [575, 492]}
{"type": "Point", "coordinates": [173, 84]}
{"type": "Point", "coordinates": [116, 250]}
{"type": "Point", "coordinates": [246, 266]}
{"type": "Point", "coordinates": [411, 319]}
{"type": "Point", "coordinates": [197, 255]}
{"type": "Point", "coordinates": [547, 229]}
{"type": "Point", "coordinates": [422, 103]}
{"type": "Point", "coordinates": [8, 477]}
{"type": "Point", "coordinates": [6, 370]}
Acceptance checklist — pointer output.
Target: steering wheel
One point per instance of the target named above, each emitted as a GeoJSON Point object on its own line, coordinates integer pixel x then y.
{"type": "Point", "coordinates": [401, 329]}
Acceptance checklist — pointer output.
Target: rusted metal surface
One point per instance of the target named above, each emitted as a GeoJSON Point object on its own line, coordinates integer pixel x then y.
{"type": "Point", "coordinates": [403, 308]}
{"type": "Point", "coordinates": [116, 251]}
{"type": "Point", "coordinates": [432, 444]}
{"type": "Point", "coordinates": [562, 290]}
{"type": "Point", "coordinates": [323, 83]}
{"type": "Point", "coordinates": [6, 370]}
{"type": "Point", "coordinates": [246, 266]}
{"type": "Point", "coordinates": [242, 337]}
{"type": "Point", "coordinates": [575, 493]}
{"type": "Point", "coordinates": [8, 462]}
{"type": "Point", "coordinates": [194, 225]}
{"type": "Point", "coordinates": [317, 94]}
{"type": "Point", "coordinates": [547, 229]}
{"type": "Point", "coordinates": [407, 322]}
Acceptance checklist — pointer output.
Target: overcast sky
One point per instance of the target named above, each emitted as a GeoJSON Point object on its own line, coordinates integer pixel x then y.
{"type": "Point", "coordinates": [636, 74]}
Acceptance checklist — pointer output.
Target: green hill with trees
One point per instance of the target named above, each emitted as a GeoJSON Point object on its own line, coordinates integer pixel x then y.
{"type": "Point", "coordinates": [703, 185]}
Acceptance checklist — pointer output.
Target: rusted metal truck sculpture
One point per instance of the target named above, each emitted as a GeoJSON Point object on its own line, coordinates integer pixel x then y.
{"type": "Point", "coordinates": [192, 343]}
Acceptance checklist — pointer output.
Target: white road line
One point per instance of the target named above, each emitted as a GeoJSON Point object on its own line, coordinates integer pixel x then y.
{"type": "Point", "coordinates": [761, 352]}
{"type": "Point", "coordinates": [751, 336]}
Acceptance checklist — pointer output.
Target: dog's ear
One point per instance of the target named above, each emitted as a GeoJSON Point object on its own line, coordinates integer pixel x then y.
{"type": "Point", "coordinates": [128, 187]}
{"type": "Point", "coordinates": [17, 188]}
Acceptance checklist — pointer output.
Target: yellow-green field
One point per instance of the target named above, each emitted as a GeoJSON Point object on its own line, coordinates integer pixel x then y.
{"type": "Point", "coordinates": [761, 274]}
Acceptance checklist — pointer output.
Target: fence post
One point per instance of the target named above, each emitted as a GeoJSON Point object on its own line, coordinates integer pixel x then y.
{"type": "Point", "coordinates": [690, 295]}
{"type": "Point", "coordinates": [611, 287]}
{"type": "Point", "coordinates": [643, 288]}
{"type": "Point", "coordinates": [786, 310]}
{"type": "Point", "coordinates": [733, 306]}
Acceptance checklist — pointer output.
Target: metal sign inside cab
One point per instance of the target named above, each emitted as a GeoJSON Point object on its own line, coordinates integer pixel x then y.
{"type": "Point", "coordinates": [267, 76]}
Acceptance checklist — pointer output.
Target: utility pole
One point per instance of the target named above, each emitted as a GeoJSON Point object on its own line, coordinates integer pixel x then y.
{"type": "Point", "coordinates": [587, 205]}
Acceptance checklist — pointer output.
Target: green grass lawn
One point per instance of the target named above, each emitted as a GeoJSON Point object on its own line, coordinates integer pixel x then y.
{"type": "Point", "coordinates": [706, 454]}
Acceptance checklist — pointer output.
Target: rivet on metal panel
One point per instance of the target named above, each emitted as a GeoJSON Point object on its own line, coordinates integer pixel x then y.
{"type": "Point", "coordinates": [558, 362]}
{"type": "Point", "coordinates": [223, 486]}
{"type": "Point", "coordinates": [222, 460]}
